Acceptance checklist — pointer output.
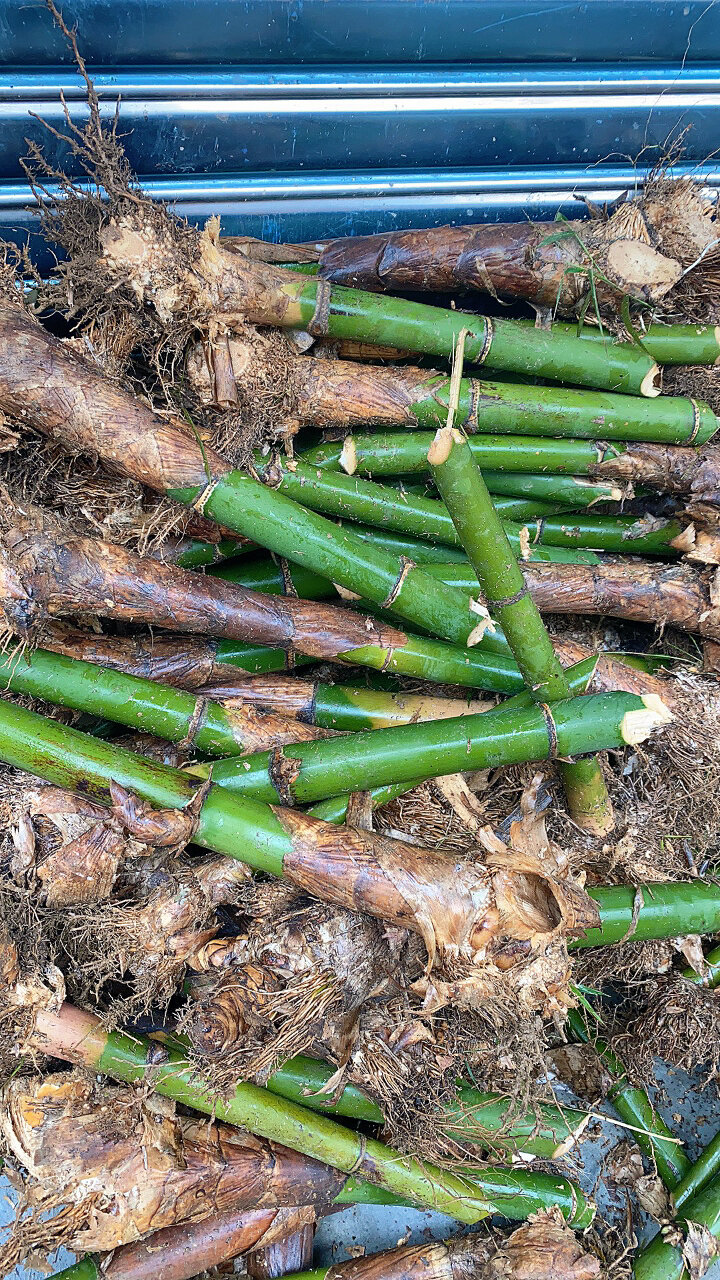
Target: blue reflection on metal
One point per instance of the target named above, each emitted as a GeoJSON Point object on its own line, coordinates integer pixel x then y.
{"type": "Point", "coordinates": [142, 32]}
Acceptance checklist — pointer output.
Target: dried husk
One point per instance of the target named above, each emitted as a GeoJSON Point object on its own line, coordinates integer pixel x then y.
{"type": "Point", "coordinates": [119, 1165]}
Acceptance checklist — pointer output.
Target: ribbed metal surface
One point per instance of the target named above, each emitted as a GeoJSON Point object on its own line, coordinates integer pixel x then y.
{"type": "Point", "coordinates": [294, 207]}
{"type": "Point", "coordinates": [143, 32]}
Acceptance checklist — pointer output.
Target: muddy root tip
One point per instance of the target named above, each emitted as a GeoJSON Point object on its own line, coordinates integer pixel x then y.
{"type": "Point", "coordinates": [651, 384]}
{"type": "Point", "coordinates": [638, 725]}
{"type": "Point", "coordinates": [348, 456]}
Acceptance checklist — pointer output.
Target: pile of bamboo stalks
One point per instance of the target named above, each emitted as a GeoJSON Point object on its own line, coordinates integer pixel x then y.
{"type": "Point", "coordinates": [230, 476]}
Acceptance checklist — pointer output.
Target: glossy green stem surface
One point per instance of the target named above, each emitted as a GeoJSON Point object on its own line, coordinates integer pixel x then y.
{"type": "Point", "coordinates": [510, 408]}
{"type": "Point", "coordinates": [666, 911]}
{"type": "Point", "coordinates": [240, 502]}
{"type": "Point", "coordinates": [383, 756]}
{"type": "Point", "coordinates": [399, 453]}
{"type": "Point", "coordinates": [352, 498]}
{"type": "Point", "coordinates": [634, 1107]}
{"type": "Point", "coordinates": [513, 1194]}
{"type": "Point", "coordinates": [481, 533]}
{"type": "Point", "coordinates": [497, 344]}
{"type": "Point", "coordinates": [139, 704]}
{"type": "Point", "coordinates": [474, 1117]}
{"type": "Point", "coordinates": [666, 343]}
{"type": "Point", "coordinates": [573, 492]}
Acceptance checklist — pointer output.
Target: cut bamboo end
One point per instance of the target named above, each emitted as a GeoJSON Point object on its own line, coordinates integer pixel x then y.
{"type": "Point", "coordinates": [651, 384]}
{"type": "Point", "coordinates": [348, 456]}
{"type": "Point", "coordinates": [441, 447]}
{"type": "Point", "coordinates": [717, 339]}
{"type": "Point", "coordinates": [573, 1137]}
{"type": "Point", "coordinates": [637, 725]}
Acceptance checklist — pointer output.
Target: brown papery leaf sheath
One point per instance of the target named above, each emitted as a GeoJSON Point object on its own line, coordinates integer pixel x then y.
{"type": "Point", "coordinates": [189, 1249]}
{"type": "Point", "coordinates": [669, 468]}
{"type": "Point", "coordinates": [640, 250]}
{"type": "Point", "coordinates": [672, 595]}
{"type": "Point", "coordinates": [125, 1166]}
{"type": "Point", "coordinates": [46, 572]}
{"type": "Point", "coordinates": [325, 393]}
{"type": "Point", "coordinates": [544, 1249]}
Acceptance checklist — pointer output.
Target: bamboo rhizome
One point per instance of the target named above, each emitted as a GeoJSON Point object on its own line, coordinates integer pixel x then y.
{"type": "Point", "coordinates": [445, 902]}
{"type": "Point", "coordinates": [351, 396]}
{"type": "Point", "coordinates": [66, 398]}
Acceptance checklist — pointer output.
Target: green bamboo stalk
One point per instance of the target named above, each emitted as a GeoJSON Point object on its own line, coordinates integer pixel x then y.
{"type": "Point", "coordinates": [574, 492]}
{"type": "Point", "coordinates": [353, 498]}
{"type": "Point", "coordinates": [335, 808]}
{"type": "Point", "coordinates": [516, 408]}
{"type": "Point", "coordinates": [425, 553]}
{"type": "Point", "coordinates": [339, 706]}
{"type": "Point", "coordinates": [195, 553]}
{"type": "Point", "coordinates": [481, 533]}
{"type": "Point", "coordinates": [474, 1117]}
{"type": "Point", "coordinates": [705, 1168]}
{"type": "Point", "coordinates": [240, 502]}
{"type": "Point", "coordinates": [661, 1260]}
{"type": "Point", "coordinates": [79, 1037]}
{"type": "Point", "coordinates": [662, 910]}
{"type": "Point", "coordinates": [400, 453]}
{"type": "Point", "coordinates": [634, 1107]}
{"type": "Point", "coordinates": [507, 735]}
{"type": "Point", "coordinates": [302, 302]}
{"type": "Point", "coordinates": [666, 343]}
{"type": "Point", "coordinates": [139, 704]}
{"type": "Point", "coordinates": [710, 977]}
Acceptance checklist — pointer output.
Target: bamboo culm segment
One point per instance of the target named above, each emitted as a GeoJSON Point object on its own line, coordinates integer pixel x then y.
{"type": "Point", "coordinates": [498, 344]}
{"type": "Point", "coordinates": [314, 542]}
{"type": "Point", "coordinates": [666, 343]}
{"type": "Point", "coordinates": [78, 1037]}
{"type": "Point", "coordinates": [383, 756]}
{"type": "Point", "coordinates": [482, 535]}
{"type": "Point", "coordinates": [710, 977]}
{"type": "Point", "coordinates": [356, 499]}
{"type": "Point", "coordinates": [704, 1170]}
{"type": "Point", "coordinates": [635, 1108]}
{"type": "Point", "coordinates": [399, 453]}
{"type": "Point", "coordinates": [475, 1117]}
{"type": "Point", "coordinates": [508, 408]}
{"type": "Point", "coordinates": [337, 706]}
{"type": "Point", "coordinates": [142, 705]}
{"type": "Point", "coordinates": [661, 1260]}
{"type": "Point", "coordinates": [667, 911]}
{"type": "Point", "coordinates": [554, 492]}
